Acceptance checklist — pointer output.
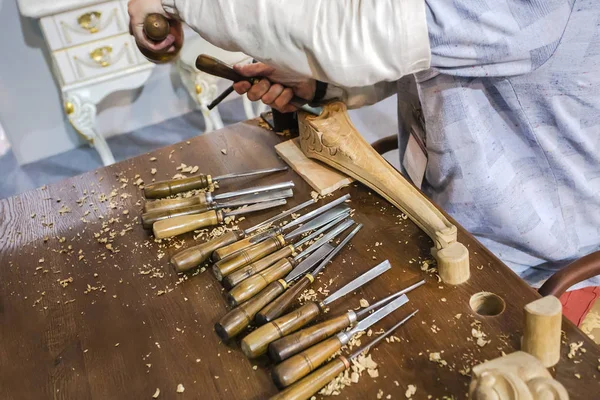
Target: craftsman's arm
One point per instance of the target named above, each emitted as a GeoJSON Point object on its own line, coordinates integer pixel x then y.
{"type": "Point", "coordinates": [356, 97]}
{"type": "Point", "coordinates": [350, 43]}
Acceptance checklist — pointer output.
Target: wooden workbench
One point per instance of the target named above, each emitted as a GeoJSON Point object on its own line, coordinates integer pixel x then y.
{"type": "Point", "coordinates": [127, 324]}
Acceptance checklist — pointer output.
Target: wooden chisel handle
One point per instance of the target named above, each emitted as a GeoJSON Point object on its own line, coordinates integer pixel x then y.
{"type": "Point", "coordinates": [242, 258]}
{"type": "Point", "coordinates": [194, 256]}
{"type": "Point", "coordinates": [287, 346]}
{"type": "Point", "coordinates": [236, 320]}
{"type": "Point", "coordinates": [188, 223]}
{"type": "Point", "coordinates": [297, 367]}
{"type": "Point", "coordinates": [283, 302]}
{"type": "Point", "coordinates": [257, 266]}
{"type": "Point", "coordinates": [213, 66]}
{"type": "Point", "coordinates": [157, 28]}
{"type": "Point", "coordinates": [167, 188]}
{"type": "Point", "coordinates": [149, 218]}
{"type": "Point", "coordinates": [257, 342]}
{"type": "Point", "coordinates": [233, 248]}
{"type": "Point", "coordinates": [310, 385]}
{"type": "Point", "coordinates": [255, 284]}
{"type": "Point", "coordinates": [173, 204]}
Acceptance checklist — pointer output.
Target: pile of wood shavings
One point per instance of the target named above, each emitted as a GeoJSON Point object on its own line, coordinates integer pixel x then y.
{"type": "Point", "coordinates": [360, 364]}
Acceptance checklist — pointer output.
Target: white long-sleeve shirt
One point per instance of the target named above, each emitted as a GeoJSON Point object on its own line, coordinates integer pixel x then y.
{"type": "Point", "coordinates": [508, 88]}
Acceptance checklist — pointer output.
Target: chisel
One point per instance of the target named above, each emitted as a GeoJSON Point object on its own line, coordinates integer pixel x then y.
{"type": "Point", "coordinates": [268, 242]}
{"type": "Point", "coordinates": [258, 341]}
{"type": "Point", "coordinates": [253, 285]}
{"type": "Point", "coordinates": [188, 223]}
{"type": "Point", "coordinates": [174, 186]}
{"type": "Point", "coordinates": [235, 247]}
{"type": "Point", "coordinates": [283, 302]}
{"type": "Point", "coordinates": [302, 364]}
{"type": "Point", "coordinates": [149, 218]}
{"type": "Point", "coordinates": [209, 198]}
{"type": "Point", "coordinates": [272, 243]}
{"type": "Point", "coordinates": [212, 66]}
{"type": "Point", "coordinates": [261, 264]}
{"type": "Point", "coordinates": [289, 345]}
{"type": "Point", "coordinates": [311, 384]}
{"type": "Point", "coordinates": [236, 320]}
{"type": "Point", "coordinates": [190, 258]}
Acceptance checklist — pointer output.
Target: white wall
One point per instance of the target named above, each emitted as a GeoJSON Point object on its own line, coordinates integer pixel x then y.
{"type": "Point", "coordinates": [30, 104]}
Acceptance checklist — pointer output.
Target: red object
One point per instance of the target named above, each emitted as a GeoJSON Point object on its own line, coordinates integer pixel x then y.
{"type": "Point", "coordinates": [577, 303]}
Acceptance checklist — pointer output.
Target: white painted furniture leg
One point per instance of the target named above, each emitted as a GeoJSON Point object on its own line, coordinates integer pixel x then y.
{"type": "Point", "coordinates": [206, 91]}
{"type": "Point", "coordinates": [82, 116]}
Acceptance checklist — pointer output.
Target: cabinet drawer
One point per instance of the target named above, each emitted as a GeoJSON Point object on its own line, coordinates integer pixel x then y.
{"type": "Point", "coordinates": [97, 58]}
{"type": "Point", "coordinates": [85, 24]}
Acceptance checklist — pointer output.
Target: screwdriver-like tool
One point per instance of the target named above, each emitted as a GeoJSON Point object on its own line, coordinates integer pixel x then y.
{"type": "Point", "coordinates": [190, 258]}
{"type": "Point", "coordinates": [235, 247]}
{"type": "Point", "coordinates": [289, 345]}
{"type": "Point", "coordinates": [253, 285]}
{"type": "Point", "coordinates": [149, 218]}
{"type": "Point", "coordinates": [188, 223]}
{"type": "Point", "coordinates": [209, 198]}
{"type": "Point", "coordinates": [167, 188]}
{"type": "Point", "coordinates": [283, 302]}
{"type": "Point", "coordinates": [236, 320]}
{"type": "Point", "coordinates": [300, 365]}
{"type": "Point", "coordinates": [257, 342]}
{"type": "Point", "coordinates": [311, 384]}
{"type": "Point", "coordinates": [271, 243]}
{"type": "Point", "coordinates": [212, 66]}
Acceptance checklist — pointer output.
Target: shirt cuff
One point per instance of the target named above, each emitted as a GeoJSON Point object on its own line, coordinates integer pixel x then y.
{"type": "Point", "coordinates": [170, 7]}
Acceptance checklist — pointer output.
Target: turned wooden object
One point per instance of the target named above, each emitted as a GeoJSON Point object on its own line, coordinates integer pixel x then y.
{"type": "Point", "coordinates": [194, 256]}
{"type": "Point", "coordinates": [541, 334]}
{"type": "Point", "coordinates": [283, 302]}
{"type": "Point", "coordinates": [157, 28]}
{"type": "Point", "coordinates": [517, 376]}
{"type": "Point", "coordinates": [233, 248]}
{"type": "Point", "coordinates": [170, 187]}
{"type": "Point", "coordinates": [332, 139]}
{"type": "Point", "coordinates": [149, 218]}
{"type": "Point", "coordinates": [226, 266]}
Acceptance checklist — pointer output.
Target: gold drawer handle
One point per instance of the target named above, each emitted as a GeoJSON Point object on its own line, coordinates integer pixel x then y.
{"type": "Point", "coordinates": [101, 55]}
{"type": "Point", "coordinates": [90, 21]}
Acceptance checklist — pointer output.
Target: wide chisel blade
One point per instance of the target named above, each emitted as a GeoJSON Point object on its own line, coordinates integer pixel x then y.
{"type": "Point", "coordinates": [319, 221]}
{"type": "Point", "coordinates": [358, 282]}
{"type": "Point", "coordinates": [255, 207]}
{"type": "Point", "coordinates": [309, 262]}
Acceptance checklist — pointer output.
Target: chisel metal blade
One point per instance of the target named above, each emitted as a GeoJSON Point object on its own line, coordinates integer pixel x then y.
{"type": "Point", "coordinates": [255, 207]}
{"type": "Point", "coordinates": [337, 249]}
{"type": "Point", "coordinates": [310, 262]}
{"type": "Point", "coordinates": [255, 189]}
{"type": "Point", "coordinates": [318, 211]}
{"type": "Point", "coordinates": [280, 216]}
{"type": "Point", "coordinates": [372, 319]}
{"type": "Point", "coordinates": [358, 282]}
{"type": "Point", "coordinates": [296, 272]}
{"type": "Point", "coordinates": [256, 198]}
{"type": "Point", "coordinates": [250, 173]}
{"type": "Point", "coordinates": [319, 221]}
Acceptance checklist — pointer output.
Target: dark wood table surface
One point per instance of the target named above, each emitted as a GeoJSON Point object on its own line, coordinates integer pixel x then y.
{"type": "Point", "coordinates": [127, 324]}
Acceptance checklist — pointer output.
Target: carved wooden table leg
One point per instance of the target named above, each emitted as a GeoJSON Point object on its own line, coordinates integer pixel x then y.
{"type": "Point", "coordinates": [332, 139]}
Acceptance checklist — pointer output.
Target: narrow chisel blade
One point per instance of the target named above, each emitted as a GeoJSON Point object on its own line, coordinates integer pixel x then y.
{"type": "Point", "coordinates": [358, 282]}
{"type": "Point", "coordinates": [255, 189]}
{"type": "Point", "coordinates": [319, 221]}
{"type": "Point", "coordinates": [379, 314]}
{"type": "Point", "coordinates": [250, 173]}
{"type": "Point", "coordinates": [256, 207]}
{"type": "Point", "coordinates": [256, 198]}
{"type": "Point", "coordinates": [310, 262]}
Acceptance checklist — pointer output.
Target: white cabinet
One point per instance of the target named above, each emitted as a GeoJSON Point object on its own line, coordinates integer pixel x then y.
{"type": "Point", "coordinates": [92, 54]}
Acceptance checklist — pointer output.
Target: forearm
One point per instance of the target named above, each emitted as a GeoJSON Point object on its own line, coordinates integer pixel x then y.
{"type": "Point", "coordinates": [356, 97]}
{"type": "Point", "coordinates": [350, 43]}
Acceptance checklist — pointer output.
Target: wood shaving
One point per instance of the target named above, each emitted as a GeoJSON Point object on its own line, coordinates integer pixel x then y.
{"type": "Point", "coordinates": [65, 282]}
{"type": "Point", "coordinates": [436, 357]}
{"type": "Point", "coordinates": [573, 348]}
{"type": "Point", "coordinates": [153, 171]}
{"type": "Point", "coordinates": [153, 159]}
{"type": "Point", "coordinates": [180, 388]}
{"type": "Point", "coordinates": [156, 394]}
{"type": "Point", "coordinates": [364, 303]}
{"type": "Point", "coordinates": [224, 151]}
{"type": "Point", "coordinates": [412, 389]}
